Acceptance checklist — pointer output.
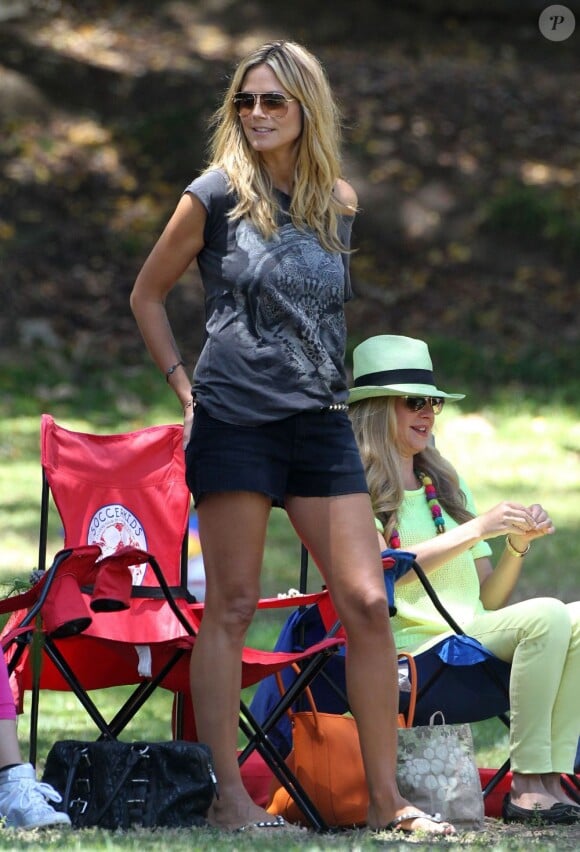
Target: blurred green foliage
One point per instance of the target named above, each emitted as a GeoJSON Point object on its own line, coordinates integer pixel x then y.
{"type": "Point", "coordinates": [533, 212]}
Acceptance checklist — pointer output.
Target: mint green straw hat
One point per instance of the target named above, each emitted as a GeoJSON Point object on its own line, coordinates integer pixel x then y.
{"type": "Point", "coordinates": [392, 365]}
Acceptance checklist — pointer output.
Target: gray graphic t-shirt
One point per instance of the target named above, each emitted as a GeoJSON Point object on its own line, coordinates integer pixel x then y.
{"type": "Point", "coordinates": [275, 328]}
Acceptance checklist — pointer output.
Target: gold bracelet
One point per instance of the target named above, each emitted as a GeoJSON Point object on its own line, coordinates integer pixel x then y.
{"type": "Point", "coordinates": [519, 554]}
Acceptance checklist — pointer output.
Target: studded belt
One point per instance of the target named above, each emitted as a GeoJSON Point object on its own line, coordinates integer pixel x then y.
{"type": "Point", "coordinates": [336, 406]}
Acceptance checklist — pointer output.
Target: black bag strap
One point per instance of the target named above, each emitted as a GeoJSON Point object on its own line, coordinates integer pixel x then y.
{"type": "Point", "coordinates": [136, 755]}
{"type": "Point", "coordinates": [70, 778]}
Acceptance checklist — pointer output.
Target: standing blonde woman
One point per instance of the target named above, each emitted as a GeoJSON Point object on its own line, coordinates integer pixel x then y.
{"type": "Point", "coordinates": [265, 423]}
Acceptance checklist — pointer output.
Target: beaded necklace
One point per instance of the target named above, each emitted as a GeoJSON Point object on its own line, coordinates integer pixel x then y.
{"type": "Point", "coordinates": [432, 502]}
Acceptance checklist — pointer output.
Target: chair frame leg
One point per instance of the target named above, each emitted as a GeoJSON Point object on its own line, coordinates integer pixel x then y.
{"type": "Point", "coordinates": [571, 786]}
{"type": "Point", "coordinates": [498, 776]}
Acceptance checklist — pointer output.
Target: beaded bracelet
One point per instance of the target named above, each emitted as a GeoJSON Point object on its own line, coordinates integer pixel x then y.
{"type": "Point", "coordinates": [172, 369]}
{"type": "Point", "coordinates": [511, 549]}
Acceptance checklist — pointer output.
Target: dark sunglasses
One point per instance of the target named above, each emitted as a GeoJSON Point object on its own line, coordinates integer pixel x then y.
{"type": "Point", "coordinates": [272, 103]}
{"type": "Point", "coordinates": [418, 403]}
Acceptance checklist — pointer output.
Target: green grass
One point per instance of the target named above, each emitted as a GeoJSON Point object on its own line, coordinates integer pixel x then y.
{"type": "Point", "coordinates": [529, 451]}
{"type": "Point", "coordinates": [205, 840]}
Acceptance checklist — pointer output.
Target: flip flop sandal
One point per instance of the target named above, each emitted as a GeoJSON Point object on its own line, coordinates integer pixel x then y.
{"type": "Point", "coordinates": [276, 823]}
{"type": "Point", "coordinates": [396, 824]}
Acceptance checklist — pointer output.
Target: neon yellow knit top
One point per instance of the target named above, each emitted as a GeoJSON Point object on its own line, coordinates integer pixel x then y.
{"type": "Point", "coordinates": [417, 621]}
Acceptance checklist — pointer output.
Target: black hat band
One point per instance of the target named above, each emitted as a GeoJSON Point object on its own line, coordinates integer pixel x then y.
{"type": "Point", "coordinates": [396, 377]}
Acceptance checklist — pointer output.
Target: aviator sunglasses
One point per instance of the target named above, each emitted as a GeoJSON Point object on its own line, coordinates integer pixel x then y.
{"type": "Point", "coordinates": [418, 403]}
{"type": "Point", "coordinates": [272, 103]}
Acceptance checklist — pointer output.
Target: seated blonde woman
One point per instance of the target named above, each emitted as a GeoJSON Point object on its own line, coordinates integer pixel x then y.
{"type": "Point", "coordinates": [422, 505]}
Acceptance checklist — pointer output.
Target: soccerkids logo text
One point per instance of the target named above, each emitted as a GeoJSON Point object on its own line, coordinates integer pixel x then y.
{"type": "Point", "coordinates": [113, 527]}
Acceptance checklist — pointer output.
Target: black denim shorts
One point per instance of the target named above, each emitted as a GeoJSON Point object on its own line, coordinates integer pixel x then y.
{"type": "Point", "coordinates": [311, 454]}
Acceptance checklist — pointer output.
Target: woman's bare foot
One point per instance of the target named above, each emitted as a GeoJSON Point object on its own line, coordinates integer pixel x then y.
{"type": "Point", "coordinates": [238, 812]}
{"type": "Point", "coordinates": [234, 811]}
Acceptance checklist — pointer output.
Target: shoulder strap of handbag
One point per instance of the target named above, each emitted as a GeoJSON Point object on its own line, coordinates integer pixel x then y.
{"type": "Point", "coordinates": [307, 693]}
{"type": "Point", "coordinates": [402, 720]}
{"type": "Point", "coordinates": [135, 756]}
{"type": "Point", "coordinates": [70, 778]}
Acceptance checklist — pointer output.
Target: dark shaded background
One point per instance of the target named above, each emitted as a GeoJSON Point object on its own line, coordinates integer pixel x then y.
{"type": "Point", "coordinates": [462, 138]}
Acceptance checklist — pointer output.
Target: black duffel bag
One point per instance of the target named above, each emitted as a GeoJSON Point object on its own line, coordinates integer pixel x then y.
{"type": "Point", "coordinates": [113, 784]}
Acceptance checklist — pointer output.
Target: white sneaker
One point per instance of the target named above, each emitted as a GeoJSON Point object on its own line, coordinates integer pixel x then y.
{"type": "Point", "coordinates": [24, 801]}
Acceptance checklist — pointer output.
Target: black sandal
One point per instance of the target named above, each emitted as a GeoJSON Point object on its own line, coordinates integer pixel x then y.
{"type": "Point", "coordinates": [558, 814]}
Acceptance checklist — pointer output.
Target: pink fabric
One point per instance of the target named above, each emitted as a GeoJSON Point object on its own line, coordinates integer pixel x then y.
{"type": "Point", "coordinates": [7, 708]}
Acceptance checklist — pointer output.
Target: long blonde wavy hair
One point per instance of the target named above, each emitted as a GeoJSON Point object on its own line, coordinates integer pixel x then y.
{"type": "Point", "coordinates": [318, 164]}
{"type": "Point", "coordinates": [374, 422]}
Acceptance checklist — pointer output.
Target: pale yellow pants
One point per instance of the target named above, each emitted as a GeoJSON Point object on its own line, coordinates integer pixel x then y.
{"type": "Point", "coordinates": [541, 639]}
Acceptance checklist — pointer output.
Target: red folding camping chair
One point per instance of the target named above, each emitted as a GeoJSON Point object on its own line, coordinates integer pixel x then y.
{"type": "Point", "coordinates": [113, 608]}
